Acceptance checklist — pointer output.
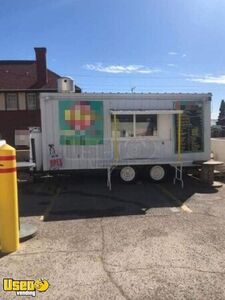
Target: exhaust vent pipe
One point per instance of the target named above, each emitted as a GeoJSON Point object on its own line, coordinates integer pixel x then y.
{"type": "Point", "coordinates": [65, 85]}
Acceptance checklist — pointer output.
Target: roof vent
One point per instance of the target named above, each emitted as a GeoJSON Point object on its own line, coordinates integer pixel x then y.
{"type": "Point", "coordinates": [65, 85]}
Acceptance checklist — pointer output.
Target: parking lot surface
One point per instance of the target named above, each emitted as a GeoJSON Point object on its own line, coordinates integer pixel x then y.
{"type": "Point", "coordinates": [139, 241]}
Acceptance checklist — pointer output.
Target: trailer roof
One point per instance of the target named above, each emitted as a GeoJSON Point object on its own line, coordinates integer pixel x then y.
{"type": "Point", "coordinates": [130, 96]}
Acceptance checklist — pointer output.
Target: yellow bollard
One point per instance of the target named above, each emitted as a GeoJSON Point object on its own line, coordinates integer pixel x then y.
{"type": "Point", "coordinates": [9, 219]}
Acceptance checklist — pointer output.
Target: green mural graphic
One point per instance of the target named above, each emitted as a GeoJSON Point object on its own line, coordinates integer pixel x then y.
{"type": "Point", "coordinates": [81, 122]}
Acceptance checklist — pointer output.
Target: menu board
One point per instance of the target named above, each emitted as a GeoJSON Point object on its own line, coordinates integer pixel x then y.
{"type": "Point", "coordinates": [192, 138]}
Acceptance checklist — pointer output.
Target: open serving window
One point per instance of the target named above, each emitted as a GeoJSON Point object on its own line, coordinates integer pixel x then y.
{"type": "Point", "coordinates": [136, 123]}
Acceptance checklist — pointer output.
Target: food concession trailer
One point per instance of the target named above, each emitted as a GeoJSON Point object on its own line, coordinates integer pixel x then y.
{"type": "Point", "coordinates": [126, 131]}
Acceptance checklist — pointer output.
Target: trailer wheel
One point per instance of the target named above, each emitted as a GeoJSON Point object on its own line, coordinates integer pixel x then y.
{"type": "Point", "coordinates": [157, 173]}
{"type": "Point", "coordinates": [127, 174]}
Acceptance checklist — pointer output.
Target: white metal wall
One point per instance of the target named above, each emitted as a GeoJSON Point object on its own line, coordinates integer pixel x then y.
{"type": "Point", "coordinates": [218, 148]}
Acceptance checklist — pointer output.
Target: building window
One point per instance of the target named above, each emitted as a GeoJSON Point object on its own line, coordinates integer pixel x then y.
{"type": "Point", "coordinates": [11, 101]}
{"type": "Point", "coordinates": [32, 101]}
{"type": "Point", "coordinates": [131, 125]}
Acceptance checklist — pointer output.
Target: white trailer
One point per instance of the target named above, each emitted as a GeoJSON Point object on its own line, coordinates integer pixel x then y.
{"type": "Point", "coordinates": [123, 130]}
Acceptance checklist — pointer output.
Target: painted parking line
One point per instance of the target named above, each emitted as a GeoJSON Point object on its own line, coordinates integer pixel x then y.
{"type": "Point", "coordinates": [182, 206]}
{"type": "Point", "coordinates": [49, 208]}
{"type": "Point", "coordinates": [174, 209]}
{"type": "Point", "coordinates": [186, 208]}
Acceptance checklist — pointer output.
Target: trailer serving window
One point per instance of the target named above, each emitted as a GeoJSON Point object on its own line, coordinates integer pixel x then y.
{"type": "Point", "coordinates": [146, 125]}
{"type": "Point", "coordinates": [128, 124]}
{"type": "Point", "coordinates": [125, 126]}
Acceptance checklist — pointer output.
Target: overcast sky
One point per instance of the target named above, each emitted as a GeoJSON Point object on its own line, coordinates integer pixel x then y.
{"type": "Point", "coordinates": [117, 45]}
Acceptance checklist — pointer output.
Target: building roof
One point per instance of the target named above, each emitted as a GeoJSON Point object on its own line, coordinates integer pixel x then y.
{"type": "Point", "coordinates": [22, 75]}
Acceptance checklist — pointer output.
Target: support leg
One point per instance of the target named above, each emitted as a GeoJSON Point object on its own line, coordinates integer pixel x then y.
{"type": "Point", "coordinates": [109, 178]}
{"type": "Point", "coordinates": [179, 175]}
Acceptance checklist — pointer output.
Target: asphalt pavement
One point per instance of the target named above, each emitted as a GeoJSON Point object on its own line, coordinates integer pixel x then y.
{"type": "Point", "coordinates": [139, 241]}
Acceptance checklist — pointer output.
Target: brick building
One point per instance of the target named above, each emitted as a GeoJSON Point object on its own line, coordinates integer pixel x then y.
{"type": "Point", "coordinates": [21, 81]}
